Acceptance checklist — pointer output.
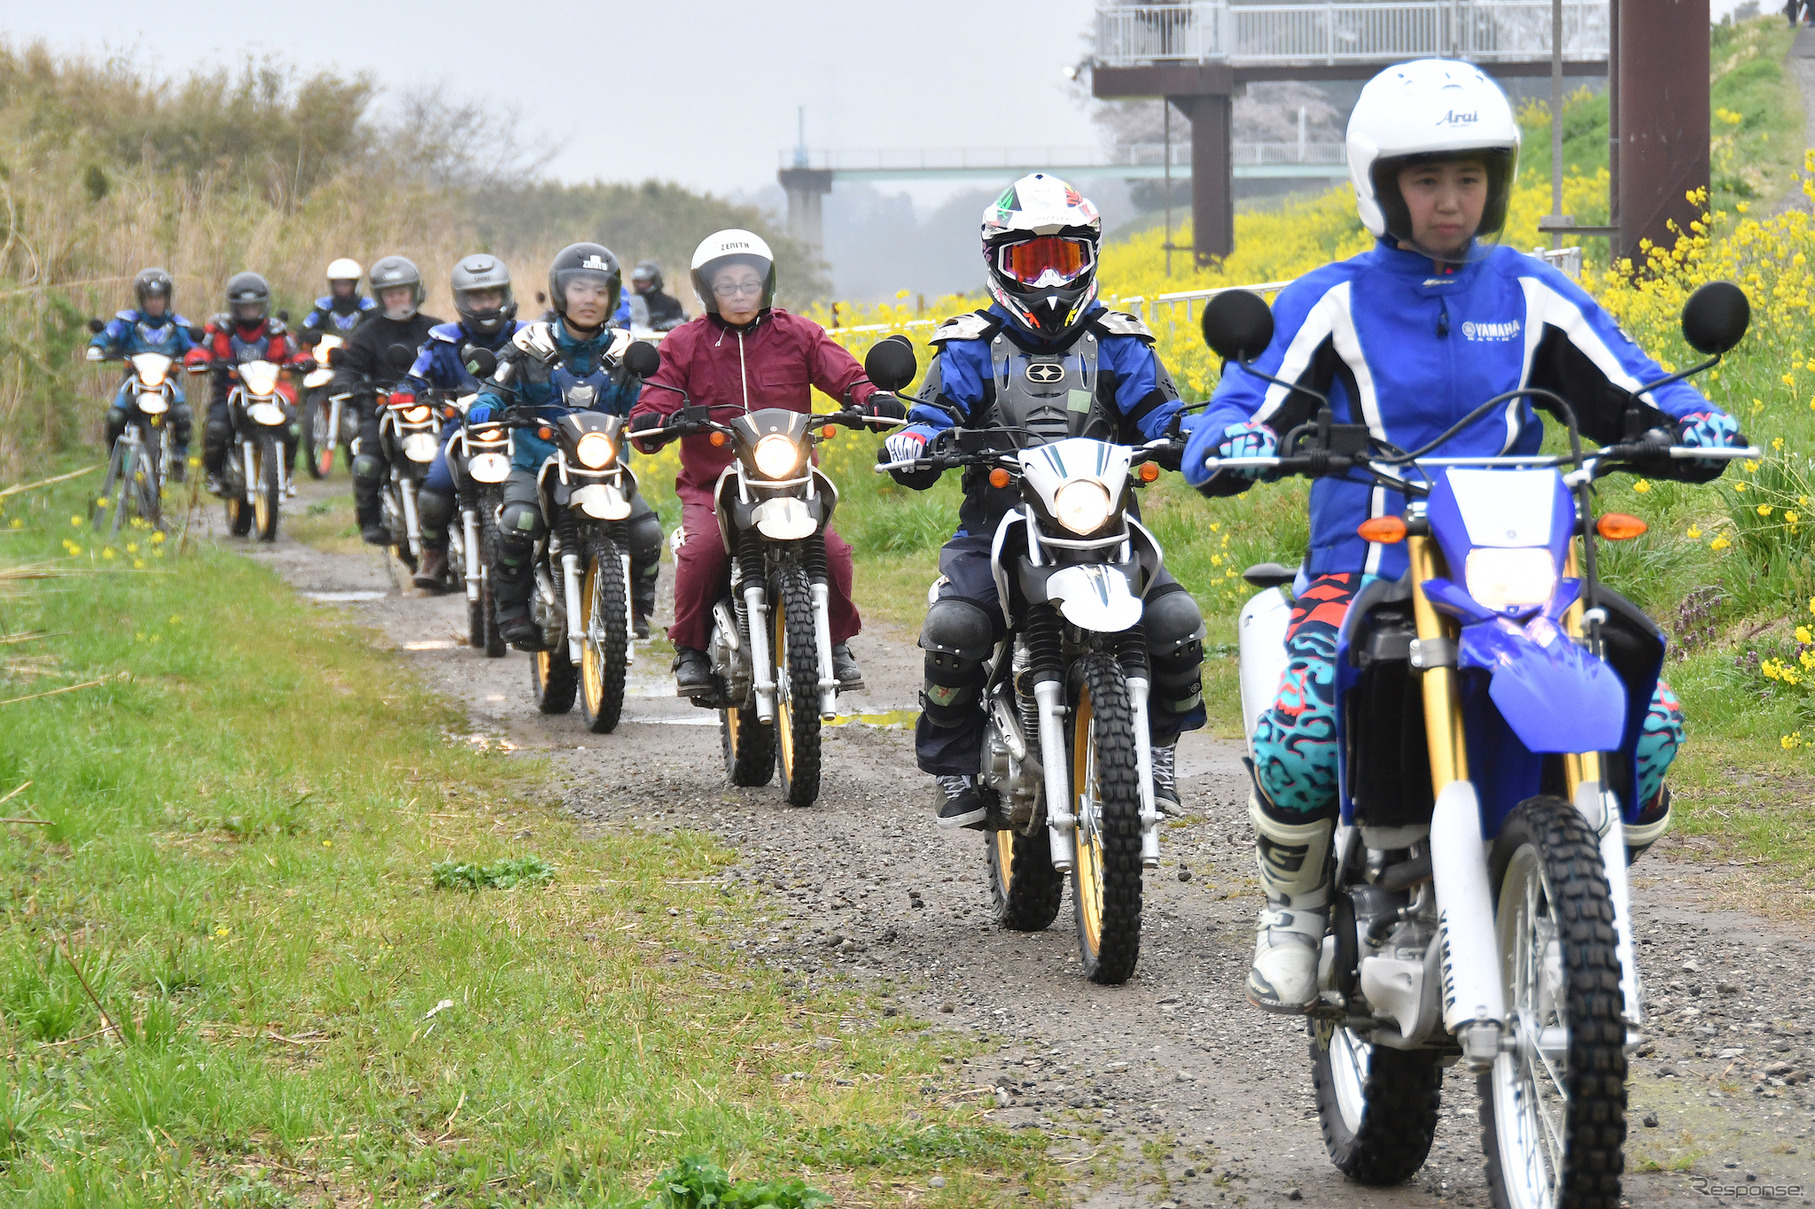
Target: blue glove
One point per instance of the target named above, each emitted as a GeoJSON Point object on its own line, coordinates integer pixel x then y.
{"type": "Point", "coordinates": [1707, 430]}
{"type": "Point", "coordinates": [480, 412]}
{"type": "Point", "coordinates": [1249, 440]}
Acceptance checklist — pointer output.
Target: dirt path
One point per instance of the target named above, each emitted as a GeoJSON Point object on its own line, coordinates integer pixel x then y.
{"type": "Point", "coordinates": [1170, 1090]}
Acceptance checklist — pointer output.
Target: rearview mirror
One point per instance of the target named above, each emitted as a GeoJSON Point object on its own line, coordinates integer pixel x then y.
{"type": "Point", "coordinates": [283, 316]}
{"type": "Point", "coordinates": [198, 334]}
{"type": "Point", "coordinates": [642, 359]}
{"type": "Point", "coordinates": [1238, 325]}
{"type": "Point", "coordinates": [96, 326]}
{"type": "Point", "coordinates": [479, 362]}
{"type": "Point", "coordinates": [890, 364]}
{"type": "Point", "coordinates": [1716, 317]}
{"type": "Point", "coordinates": [399, 357]}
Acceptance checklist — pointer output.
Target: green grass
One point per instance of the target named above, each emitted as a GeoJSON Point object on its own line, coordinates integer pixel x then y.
{"type": "Point", "coordinates": [243, 825]}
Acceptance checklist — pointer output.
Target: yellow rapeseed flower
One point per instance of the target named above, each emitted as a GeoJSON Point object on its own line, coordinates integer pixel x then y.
{"type": "Point", "coordinates": [1764, 510]}
{"type": "Point", "coordinates": [1642, 486]}
{"type": "Point", "coordinates": [1719, 543]}
{"type": "Point", "coordinates": [1803, 635]}
{"type": "Point", "coordinates": [1694, 532]}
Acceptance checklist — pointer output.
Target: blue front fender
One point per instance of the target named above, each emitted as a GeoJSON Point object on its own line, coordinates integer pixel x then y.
{"type": "Point", "coordinates": [1553, 693]}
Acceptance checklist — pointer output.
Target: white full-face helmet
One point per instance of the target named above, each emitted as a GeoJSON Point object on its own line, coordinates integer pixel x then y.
{"type": "Point", "coordinates": [1040, 243]}
{"type": "Point", "coordinates": [1428, 110]}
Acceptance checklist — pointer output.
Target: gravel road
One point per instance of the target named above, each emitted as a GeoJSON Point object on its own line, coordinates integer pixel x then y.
{"type": "Point", "coordinates": [1170, 1090]}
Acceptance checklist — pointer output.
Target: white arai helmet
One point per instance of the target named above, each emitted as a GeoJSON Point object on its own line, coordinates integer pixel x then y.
{"type": "Point", "coordinates": [1430, 109]}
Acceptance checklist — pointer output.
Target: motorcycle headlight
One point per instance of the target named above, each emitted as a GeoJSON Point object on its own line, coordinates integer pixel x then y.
{"type": "Point", "coordinates": [595, 451]}
{"type": "Point", "coordinates": [152, 370]}
{"type": "Point", "coordinates": [776, 456]}
{"type": "Point", "coordinates": [1082, 506]}
{"type": "Point", "coordinates": [1510, 579]}
{"type": "Point", "coordinates": [417, 415]}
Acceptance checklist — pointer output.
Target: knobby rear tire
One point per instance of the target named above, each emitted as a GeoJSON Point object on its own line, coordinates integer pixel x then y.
{"type": "Point", "coordinates": [1025, 891]}
{"type": "Point", "coordinates": [1378, 1106]}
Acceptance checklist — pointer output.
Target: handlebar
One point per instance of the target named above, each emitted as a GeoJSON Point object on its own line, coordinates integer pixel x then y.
{"type": "Point", "coordinates": [1594, 465]}
{"type": "Point", "coordinates": [943, 459]}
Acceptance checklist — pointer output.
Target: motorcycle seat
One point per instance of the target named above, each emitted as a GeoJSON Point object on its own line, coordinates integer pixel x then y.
{"type": "Point", "coordinates": [1270, 575]}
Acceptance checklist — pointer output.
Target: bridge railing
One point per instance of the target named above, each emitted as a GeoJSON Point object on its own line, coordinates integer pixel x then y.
{"type": "Point", "coordinates": [1019, 160]}
{"type": "Point", "coordinates": [1325, 32]}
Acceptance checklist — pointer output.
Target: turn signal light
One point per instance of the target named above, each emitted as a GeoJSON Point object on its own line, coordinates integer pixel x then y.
{"type": "Point", "coordinates": [717, 438]}
{"type": "Point", "coordinates": [998, 477]}
{"type": "Point", "coordinates": [1148, 472]}
{"type": "Point", "coordinates": [546, 433]}
{"type": "Point", "coordinates": [1387, 529]}
{"type": "Point", "coordinates": [828, 430]}
{"type": "Point", "coordinates": [1619, 526]}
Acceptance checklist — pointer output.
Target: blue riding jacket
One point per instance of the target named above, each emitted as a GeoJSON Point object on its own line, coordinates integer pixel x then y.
{"type": "Point", "coordinates": [1408, 351]}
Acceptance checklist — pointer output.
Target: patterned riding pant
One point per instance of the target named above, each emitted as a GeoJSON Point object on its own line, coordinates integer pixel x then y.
{"type": "Point", "coordinates": [1295, 739]}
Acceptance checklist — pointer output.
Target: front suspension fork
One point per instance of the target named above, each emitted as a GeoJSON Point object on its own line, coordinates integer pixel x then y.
{"type": "Point", "coordinates": [469, 545]}
{"type": "Point", "coordinates": [1143, 762]}
{"type": "Point", "coordinates": [1061, 823]}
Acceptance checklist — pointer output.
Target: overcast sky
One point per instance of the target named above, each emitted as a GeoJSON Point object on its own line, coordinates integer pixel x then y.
{"type": "Point", "coordinates": [703, 92]}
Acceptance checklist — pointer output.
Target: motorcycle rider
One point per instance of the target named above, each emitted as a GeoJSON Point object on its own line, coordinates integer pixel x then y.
{"type": "Point", "coordinates": [1408, 337]}
{"type": "Point", "coordinates": [246, 331]}
{"type": "Point", "coordinates": [663, 311]}
{"type": "Point", "coordinates": [361, 367]}
{"type": "Point", "coordinates": [743, 337]}
{"type": "Point", "coordinates": [586, 285]}
{"type": "Point", "coordinates": [342, 310]}
{"type": "Point", "coordinates": [153, 327]}
{"type": "Point", "coordinates": [488, 319]}
{"type": "Point", "coordinates": [1040, 242]}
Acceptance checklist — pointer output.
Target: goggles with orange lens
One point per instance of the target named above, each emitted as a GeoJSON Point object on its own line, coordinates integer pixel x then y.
{"type": "Point", "coordinates": [1046, 260]}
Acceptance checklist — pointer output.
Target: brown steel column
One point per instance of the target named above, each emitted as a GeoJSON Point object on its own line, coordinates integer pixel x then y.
{"type": "Point", "coordinates": [1663, 115]}
{"type": "Point", "coordinates": [1212, 175]}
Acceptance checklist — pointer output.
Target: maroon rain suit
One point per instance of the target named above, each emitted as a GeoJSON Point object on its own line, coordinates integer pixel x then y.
{"type": "Point", "coordinates": [772, 362]}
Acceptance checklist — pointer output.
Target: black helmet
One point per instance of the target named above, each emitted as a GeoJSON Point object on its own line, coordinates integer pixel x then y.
{"type": "Point", "coordinates": [481, 271]}
{"type": "Point", "coordinates": [153, 283]}
{"type": "Point", "coordinates": [580, 261]}
{"type": "Point", "coordinates": [646, 276]}
{"type": "Point", "coordinates": [393, 271]}
{"type": "Point", "coordinates": [248, 298]}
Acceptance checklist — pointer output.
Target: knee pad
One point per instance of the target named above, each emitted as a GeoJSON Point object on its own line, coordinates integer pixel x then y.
{"type": "Point", "coordinates": [955, 626]}
{"type": "Point", "coordinates": [1175, 625]}
{"type": "Point", "coordinates": [434, 509]}
{"type": "Point", "coordinates": [953, 689]}
{"type": "Point", "coordinates": [368, 468]}
{"type": "Point", "coordinates": [519, 529]}
{"type": "Point", "coordinates": [645, 543]}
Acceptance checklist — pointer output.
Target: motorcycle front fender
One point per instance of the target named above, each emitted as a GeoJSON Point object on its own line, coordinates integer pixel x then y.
{"type": "Point", "coordinates": [601, 501]}
{"type": "Point", "coordinates": [1554, 694]}
{"type": "Point", "coordinates": [1094, 596]}
{"type": "Point", "coordinates": [785, 519]}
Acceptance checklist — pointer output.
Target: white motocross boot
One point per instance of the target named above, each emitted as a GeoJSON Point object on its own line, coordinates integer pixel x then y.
{"type": "Point", "coordinates": [1641, 835]}
{"type": "Point", "coordinates": [1292, 858]}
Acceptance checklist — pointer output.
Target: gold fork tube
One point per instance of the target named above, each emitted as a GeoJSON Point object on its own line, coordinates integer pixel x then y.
{"type": "Point", "coordinates": [1583, 766]}
{"type": "Point", "coordinates": [1442, 700]}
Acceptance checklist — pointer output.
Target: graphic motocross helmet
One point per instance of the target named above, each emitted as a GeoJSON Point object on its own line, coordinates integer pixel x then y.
{"type": "Point", "coordinates": [1425, 111]}
{"type": "Point", "coordinates": [480, 273]}
{"type": "Point", "coordinates": [1040, 241]}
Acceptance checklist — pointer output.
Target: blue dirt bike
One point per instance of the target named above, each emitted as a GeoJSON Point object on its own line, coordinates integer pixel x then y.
{"type": "Point", "coordinates": [1488, 708]}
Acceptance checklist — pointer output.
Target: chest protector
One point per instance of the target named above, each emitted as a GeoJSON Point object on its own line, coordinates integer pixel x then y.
{"type": "Point", "coordinates": [250, 350]}
{"type": "Point", "coordinates": [1049, 395]}
{"type": "Point", "coordinates": [156, 339]}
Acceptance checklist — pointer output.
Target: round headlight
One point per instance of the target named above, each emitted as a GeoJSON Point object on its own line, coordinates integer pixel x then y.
{"type": "Point", "coordinates": [1082, 506]}
{"type": "Point", "coordinates": [416, 415]}
{"type": "Point", "coordinates": [776, 456]}
{"type": "Point", "coordinates": [595, 450]}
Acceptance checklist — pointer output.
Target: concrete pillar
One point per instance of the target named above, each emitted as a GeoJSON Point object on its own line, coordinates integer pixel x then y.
{"type": "Point", "coordinates": [1663, 120]}
{"type": "Point", "coordinates": [1212, 174]}
{"type": "Point", "coordinates": [807, 188]}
